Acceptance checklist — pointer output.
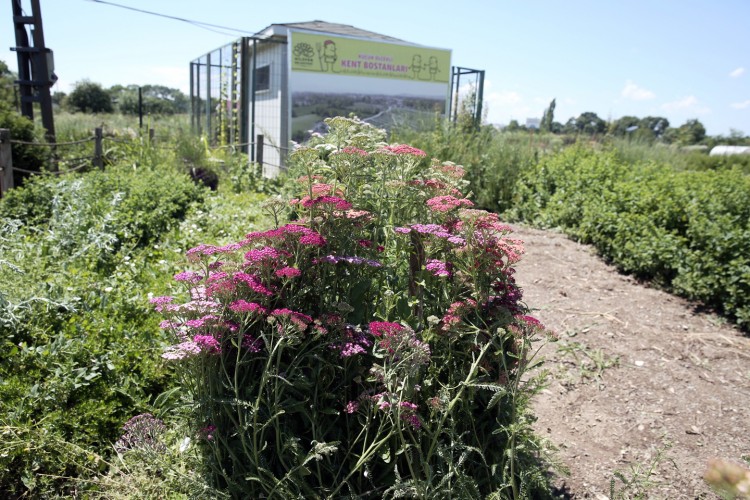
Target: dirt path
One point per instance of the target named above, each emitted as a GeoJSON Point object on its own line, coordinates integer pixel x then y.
{"type": "Point", "coordinates": [638, 377]}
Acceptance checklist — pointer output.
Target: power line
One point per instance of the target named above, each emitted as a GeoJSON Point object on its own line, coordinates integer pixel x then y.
{"type": "Point", "coordinates": [198, 24]}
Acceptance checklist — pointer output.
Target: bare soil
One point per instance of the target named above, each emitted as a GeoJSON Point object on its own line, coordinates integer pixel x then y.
{"type": "Point", "coordinates": [640, 380]}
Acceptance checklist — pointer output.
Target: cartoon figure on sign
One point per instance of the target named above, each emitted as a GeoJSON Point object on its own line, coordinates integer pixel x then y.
{"type": "Point", "coordinates": [327, 55]}
{"type": "Point", "coordinates": [433, 66]}
{"type": "Point", "coordinates": [416, 66]}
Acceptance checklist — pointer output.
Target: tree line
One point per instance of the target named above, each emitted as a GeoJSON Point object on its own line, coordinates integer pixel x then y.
{"type": "Point", "coordinates": [91, 97]}
{"type": "Point", "coordinates": [646, 129]}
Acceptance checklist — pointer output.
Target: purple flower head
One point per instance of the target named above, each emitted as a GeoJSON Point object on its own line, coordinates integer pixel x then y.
{"type": "Point", "coordinates": [207, 344]}
{"type": "Point", "coordinates": [251, 343]}
{"type": "Point", "coordinates": [313, 239]}
{"type": "Point", "coordinates": [189, 276]}
{"type": "Point", "coordinates": [167, 299]}
{"type": "Point", "coordinates": [262, 254]}
{"type": "Point", "coordinates": [288, 272]}
{"type": "Point", "coordinates": [349, 349]}
{"type": "Point", "coordinates": [184, 350]}
{"type": "Point", "coordinates": [253, 282]}
{"type": "Point", "coordinates": [243, 306]}
{"type": "Point", "coordinates": [439, 268]}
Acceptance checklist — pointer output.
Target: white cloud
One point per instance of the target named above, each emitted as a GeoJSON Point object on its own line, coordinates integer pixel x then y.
{"type": "Point", "coordinates": [689, 103]}
{"type": "Point", "coordinates": [505, 97]}
{"type": "Point", "coordinates": [636, 93]}
{"type": "Point", "coordinates": [170, 76]}
{"type": "Point", "coordinates": [741, 105]}
{"type": "Point", "coordinates": [737, 72]}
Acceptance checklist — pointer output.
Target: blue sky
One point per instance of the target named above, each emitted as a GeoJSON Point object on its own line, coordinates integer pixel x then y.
{"type": "Point", "coordinates": [680, 59]}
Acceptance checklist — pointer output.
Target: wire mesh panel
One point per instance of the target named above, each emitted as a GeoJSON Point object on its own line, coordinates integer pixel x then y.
{"type": "Point", "coordinates": [215, 88]}
{"type": "Point", "coordinates": [467, 93]}
{"type": "Point", "coordinates": [238, 93]}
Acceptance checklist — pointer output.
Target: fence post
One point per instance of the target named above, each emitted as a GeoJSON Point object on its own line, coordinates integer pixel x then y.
{"type": "Point", "coordinates": [259, 150]}
{"type": "Point", "coordinates": [6, 162]}
{"type": "Point", "coordinates": [98, 160]}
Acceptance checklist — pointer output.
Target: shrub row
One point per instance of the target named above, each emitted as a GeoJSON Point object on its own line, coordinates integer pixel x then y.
{"type": "Point", "coordinates": [689, 231]}
{"type": "Point", "coordinates": [79, 344]}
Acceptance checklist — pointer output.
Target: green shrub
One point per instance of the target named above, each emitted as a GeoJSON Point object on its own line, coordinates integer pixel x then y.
{"type": "Point", "coordinates": [375, 346]}
{"type": "Point", "coordinates": [24, 156]}
{"type": "Point", "coordinates": [493, 160]}
{"type": "Point", "coordinates": [686, 230]}
{"type": "Point", "coordinates": [78, 255]}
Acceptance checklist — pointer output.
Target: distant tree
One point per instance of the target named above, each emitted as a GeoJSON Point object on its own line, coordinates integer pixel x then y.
{"type": "Point", "coordinates": [589, 123]}
{"type": "Point", "coordinates": [513, 126]}
{"type": "Point", "coordinates": [548, 118]}
{"type": "Point", "coordinates": [691, 132]}
{"type": "Point", "coordinates": [735, 138]}
{"type": "Point", "coordinates": [571, 126]}
{"type": "Point", "coordinates": [624, 126]}
{"type": "Point", "coordinates": [656, 125]}
{"type": "Point", "coordinates": [157, 99]}
{"type": "Point", "coordinates": [7, 90]}
{"type": "Point", "coordinates": [90, 97]}
{"type": "Point", "coordinates": [59, 99]}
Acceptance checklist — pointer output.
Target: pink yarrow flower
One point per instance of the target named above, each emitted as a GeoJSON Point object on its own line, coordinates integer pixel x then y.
{"type": "Point", "coordinates": [439, 268]}
{"type": "Point", "coordinates": [447, 203]}
{"type": "Point", "coordinates": [189, 277]}
{"type": "Point", "coordinates": [288, 272]}
{"type": "Point", "coordinates": [404, 149]}
{"type": "Point", "coordinates": [207, 343]}
{"type": "Point", "coordinates": [242, 306]}
{"type": "Point", "coordinates": [334, 201]}
{"type": "Point", "coordinates": [351, 150]}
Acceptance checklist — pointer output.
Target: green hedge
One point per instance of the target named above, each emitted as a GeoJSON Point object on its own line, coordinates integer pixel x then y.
{"type": "Point", "coordinates": [687, 230]}
{"type": "Point", "coordinates": [78, 341]}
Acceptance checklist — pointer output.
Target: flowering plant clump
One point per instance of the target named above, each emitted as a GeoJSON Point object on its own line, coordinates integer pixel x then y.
{"type": "Point", "coordinates": [373, 345]}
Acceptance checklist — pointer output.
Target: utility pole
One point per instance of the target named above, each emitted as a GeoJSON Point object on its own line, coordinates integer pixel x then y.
{"type": "Point", "coordinates": [35, 66]}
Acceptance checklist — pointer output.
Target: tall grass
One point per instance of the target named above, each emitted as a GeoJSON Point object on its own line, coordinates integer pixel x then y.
{"type": "Point", "coordinates": [493, 159]}
{"type": "Point", "coordinates": [77, 126]}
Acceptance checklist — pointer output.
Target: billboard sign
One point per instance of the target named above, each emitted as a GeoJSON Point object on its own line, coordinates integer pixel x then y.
{"type": "Point", "coordinates": [382, 83]}
{"type": "Point", "coordinates": [354, 57]}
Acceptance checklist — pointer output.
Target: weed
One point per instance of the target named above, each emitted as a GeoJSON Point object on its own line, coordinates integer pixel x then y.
{"type": "Point", "coordinates": [638, 480]}
{"type": "Point", "coordinates": [591, 363]}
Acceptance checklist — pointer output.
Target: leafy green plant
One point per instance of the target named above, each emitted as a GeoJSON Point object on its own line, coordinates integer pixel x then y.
{"type": "Point", "coordinates": [685, 230]}
{"type": "Point", "coordinates": [638, 481]}
{"type": "Point", "coordinates": [79, 343]}
{"type": "Point", "coordinates": [591, 363]}
{"type": "Point", "coordinates": [375, 345]}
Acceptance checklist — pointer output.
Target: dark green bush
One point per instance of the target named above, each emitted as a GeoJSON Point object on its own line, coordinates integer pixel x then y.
{"type": "Point", "coordinates": [25, 156]}
{"type": "Point", "coordinates": [78, 340]}
{"type": "Point", "coordinates": [686, 230]}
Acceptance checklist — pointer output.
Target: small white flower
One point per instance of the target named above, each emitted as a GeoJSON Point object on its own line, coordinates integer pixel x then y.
{"type": "Point", "coordinates": [108, 289]}
{"type": "Point", "coordinates": [184, 444]}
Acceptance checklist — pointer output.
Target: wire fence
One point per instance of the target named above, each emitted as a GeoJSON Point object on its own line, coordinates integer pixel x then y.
{"type": "Point", "coordinates": [90, 152]}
